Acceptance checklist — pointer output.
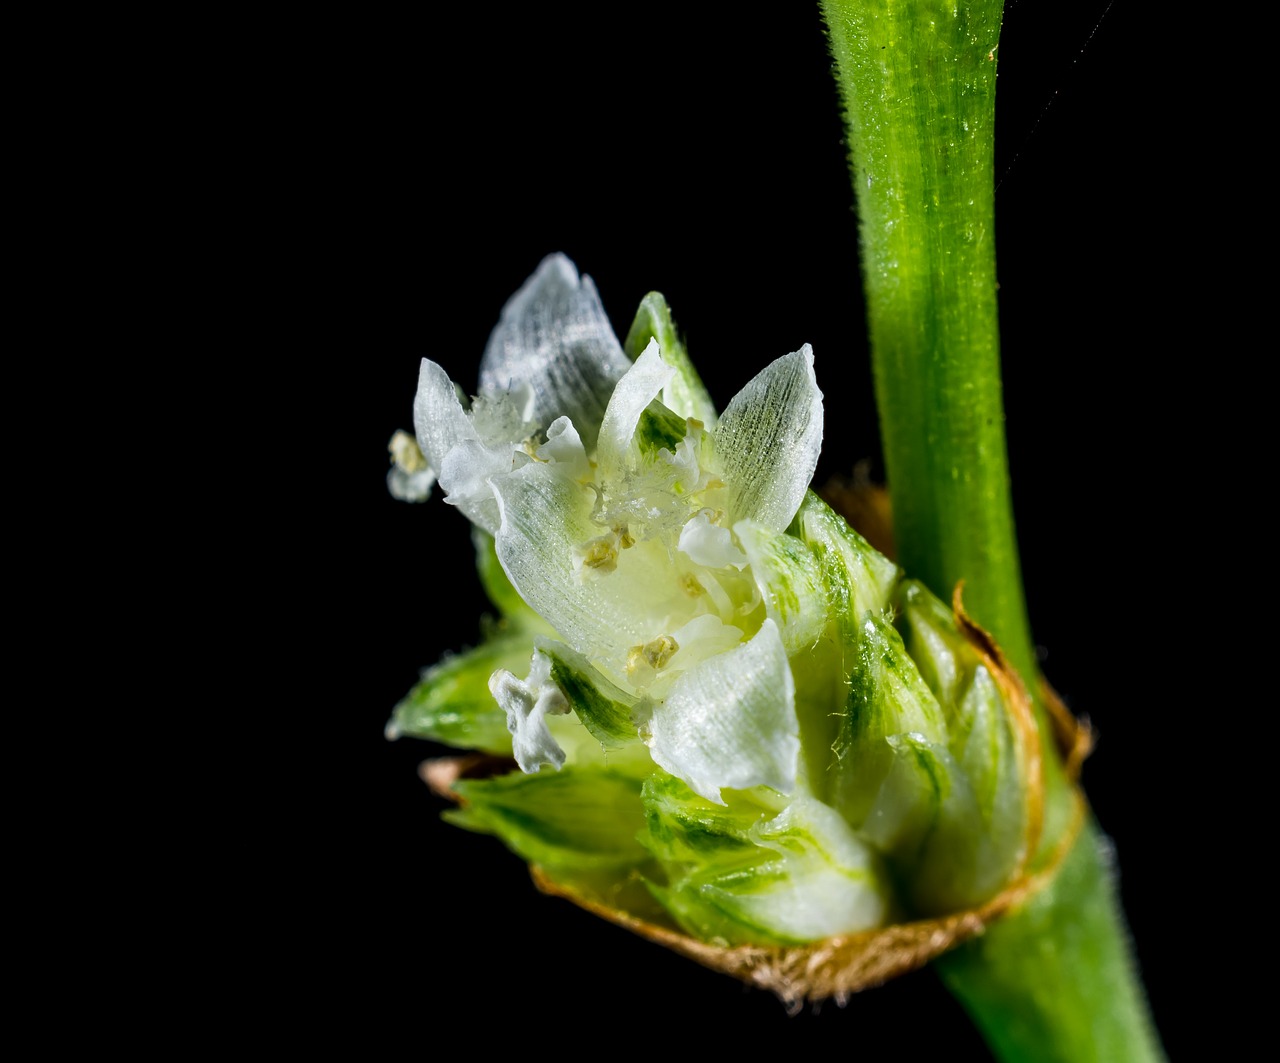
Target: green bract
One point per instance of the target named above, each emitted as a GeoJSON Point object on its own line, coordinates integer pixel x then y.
{"type": "Point", "coordinates": [709, 682]}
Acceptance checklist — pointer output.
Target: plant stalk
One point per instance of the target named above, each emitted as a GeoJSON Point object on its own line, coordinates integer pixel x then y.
{"type": "Point", "coordinates": [1054, 980]}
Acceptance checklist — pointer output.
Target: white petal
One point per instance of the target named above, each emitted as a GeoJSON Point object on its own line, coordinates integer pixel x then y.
{"type": "Point", "coordinates": [564, 446]}
{"type": "Point", "coordinates": [731, 721]}
{"type": "Point", "coordinates": [553, 335]}
{"type": "Point", "coordinates": [464, 478]}
{"type": "Point", "coordinates": [709, 544]}
{"type": "Point", "coordinates": [768, 441]}
{"type": "Point", "coordinates": [545, 518]}
{"type": "Point", "coordinates": [527, 704]}
{"type": "Point", "coordinates": [641, 384]}
{"type": "Point", "coordinates": [439, 420]}
{"type": "Point", "coordinates": [702, 638]}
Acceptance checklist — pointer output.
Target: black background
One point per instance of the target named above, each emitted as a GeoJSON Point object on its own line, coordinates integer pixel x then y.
{"type": "Point", "coordinates": [442, 162]}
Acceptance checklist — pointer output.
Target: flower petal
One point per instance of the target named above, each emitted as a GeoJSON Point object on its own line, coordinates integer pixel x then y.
{"type": "Point", "coordinates": [546, 518]}
{"type": "Point", "coordinates": [768, 439]}
{"type": "Point", "coordinates": [731, 721]}
{"type": "Point", "coordinates": [439, 421]}
{"type": "Point", "coordinates": [553, 335]}
{"type": "Point", "coordinates": [642, 383]}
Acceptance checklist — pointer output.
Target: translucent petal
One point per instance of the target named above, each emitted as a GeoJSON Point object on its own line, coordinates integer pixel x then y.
{"type": "Point", "coordinates": [439, 421]}
{"type": "Point", "coordinates": [514, 610]}
{"type": "Point", "coordinates": [553, 334]}
{"type": "Point", "coordinates": [410, 486]}
{"type": "Point", "coordinates": [564, 446]}
{"type": "Point", "coordinates": [768, 440]}
{"type": "Point", "coordinates": [731, 721]}
{"type": "Point", "coordinates": [642, 383]}
{"type": "Point", "coordinates": [465, 475]}
{"type": "Point", "coordinates": [411, 477]}
{"type": "Point", "coordinates": [709, 544]}
{"type": "Point", "coordinates": [546, 517]}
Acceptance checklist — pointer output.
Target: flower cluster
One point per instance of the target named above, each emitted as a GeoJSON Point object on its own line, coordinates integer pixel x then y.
{"type": "Point", "coordinates": [712, 686]}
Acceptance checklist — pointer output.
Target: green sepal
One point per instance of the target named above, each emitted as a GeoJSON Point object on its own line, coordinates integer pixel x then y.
{"type": "Point", "coordinates": [451, 703]}
{"type": "Point", "coordinates": [886, 697]}
{"type": "Point", "coordinates": [604, 709]}
{"type": "Point", "coordinates": [660, 429]}
{"type": "Point", "coordinates": [982, 736]}
{"type": "Point", "coordinates": [870, 575]}
{"type": "Point", "coordinates": [925, 820]}
{"type": "Point", "coordinates": [685, 394]}
{"type": "Point", "coordinates": [791, 582]}
{"type": "Point", "coordinates": [810, 604]}
{"type": "Point", "coordinates": [579, 819]}
{"type": "Point", "coordinates": [751, 872]}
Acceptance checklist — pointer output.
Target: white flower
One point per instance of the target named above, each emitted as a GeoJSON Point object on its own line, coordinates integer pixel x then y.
{"type": "Point", "coordinates": [553, 353]}
{"type": "Point", "coordinates": [620, 525]}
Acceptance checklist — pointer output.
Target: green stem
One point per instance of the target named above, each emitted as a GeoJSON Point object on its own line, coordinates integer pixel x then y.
{"type": "Point", "coordinates": [1053, 981]}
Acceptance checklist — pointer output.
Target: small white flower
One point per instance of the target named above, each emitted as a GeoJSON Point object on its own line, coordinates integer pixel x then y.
{"type": "Point", "coordinates": [617, 526]}
{"type": "Point", "coordinates": [553, 354]}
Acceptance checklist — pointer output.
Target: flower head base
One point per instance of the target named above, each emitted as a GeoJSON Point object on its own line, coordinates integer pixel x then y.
{"type": "Point", "coordinates": [701, 632]}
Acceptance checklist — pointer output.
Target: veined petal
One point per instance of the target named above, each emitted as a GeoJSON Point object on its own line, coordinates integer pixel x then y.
{"type": "Point", "coordinates": [439, 421]}
{"type": "Point", "coordinates": [545, 520]}
{"type": "Point", "coordinates": [768, 440]}
{"type": "Point", "coordinates": [553, 334]}
{"type": "Point", "coordinates": [731, 721]}
{"type": "Point", "coordinates": [464, 477]}
{"type": "Point", "coordinates": [642, 383]}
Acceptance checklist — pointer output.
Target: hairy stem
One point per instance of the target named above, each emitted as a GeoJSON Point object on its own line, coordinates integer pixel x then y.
{"type": "Point", "coordinates": [1054, 980]}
